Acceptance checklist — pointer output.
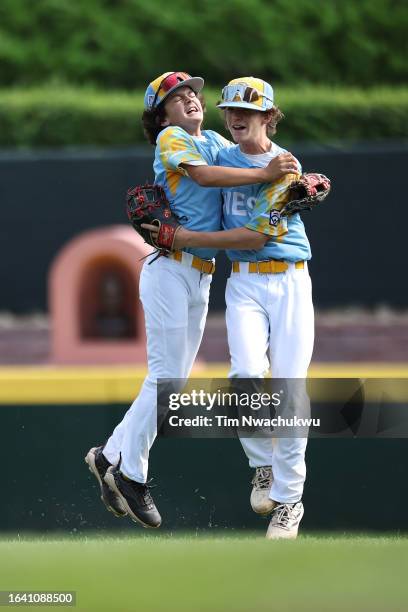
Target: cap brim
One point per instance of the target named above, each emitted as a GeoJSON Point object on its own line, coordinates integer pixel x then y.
{"type": "Point", "coordinates": [241, 105]}
{"type": "Point", "coordinates": [196, 84]}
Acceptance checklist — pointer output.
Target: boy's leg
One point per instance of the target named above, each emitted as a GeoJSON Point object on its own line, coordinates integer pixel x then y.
{"type": "Point", "coordinates": [175, 304]}
{"type": "Point", "coordinates": [173, 342]}
{"type": "Point", "coordinates": [248, 340]}
{"type": "Point", "coordinates": [172, 347]}
{"type": "Point", "coordinates": [291, 346]}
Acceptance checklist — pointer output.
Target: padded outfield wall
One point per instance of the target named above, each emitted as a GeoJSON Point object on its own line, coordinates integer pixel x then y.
{"type": "Point", "coordinates": [50, 417]}
{"type": "Point", "coordinates": [202, 484]}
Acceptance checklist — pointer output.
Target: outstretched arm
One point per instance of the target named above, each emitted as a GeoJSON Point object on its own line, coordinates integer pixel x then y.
{"type": "Point", "coordinates": [237, 238]}
{"type": "Point", "coordinates": [178, 153]}
{"type": "Point", "coordinates": [223, 176]}
{"type": "Point", "coordinates": [257, 231]}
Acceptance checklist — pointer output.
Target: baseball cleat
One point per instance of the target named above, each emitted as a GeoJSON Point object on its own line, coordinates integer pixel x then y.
{"type": "Point", "coordinates": [98, 464]}
{"type": "Point", "coordinates": [285, 521]}
{"type": "Point", "coordinates": [135, 497]}
{"type": "Point", "coordinates": [262, 482]}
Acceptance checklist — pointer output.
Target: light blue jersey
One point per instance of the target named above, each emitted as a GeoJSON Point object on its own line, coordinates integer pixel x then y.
{"type": "Point", "coordinates": [198, 208]}
{"type": "Point", "coordinates": [258, 208]}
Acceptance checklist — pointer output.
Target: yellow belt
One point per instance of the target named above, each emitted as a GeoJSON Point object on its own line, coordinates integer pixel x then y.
{"type": "Point", "coordinates": [203, 265]}
{"type": "Point", "coordinates": [272, 266]}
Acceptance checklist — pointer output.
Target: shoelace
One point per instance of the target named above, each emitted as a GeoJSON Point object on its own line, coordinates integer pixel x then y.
{"type": "Point", "coordinates": [284, 514]}
{"type": "Point", "coordinates": [143, 490]}
{"type": "Point", "coordinates": [262, 478]}
{"type": "Point", "coordinates": [147, 497]}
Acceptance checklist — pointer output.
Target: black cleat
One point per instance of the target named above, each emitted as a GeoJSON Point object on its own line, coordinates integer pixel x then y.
{"type": "Point", "coordinates": [98, 464]}
{"type": "Point", "coordinates": [135, 497]}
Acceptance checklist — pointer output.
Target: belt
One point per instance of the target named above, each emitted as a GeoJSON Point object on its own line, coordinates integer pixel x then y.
{"type": "Point", "coordinates": [202, 265]}
{"type": "Point", "coordinates": [272, 266]}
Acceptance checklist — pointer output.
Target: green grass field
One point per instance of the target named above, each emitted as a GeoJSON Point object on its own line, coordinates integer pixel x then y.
{"type": "Point", "coordinates": [153, 572]}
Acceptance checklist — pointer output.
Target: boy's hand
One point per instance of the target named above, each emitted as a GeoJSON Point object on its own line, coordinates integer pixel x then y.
{"type": "Point", "coordinates": [180, 239]}
{"type": "Point", "coordinates": [279, 166]}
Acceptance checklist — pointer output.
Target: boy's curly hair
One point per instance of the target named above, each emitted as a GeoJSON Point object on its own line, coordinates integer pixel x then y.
{"type": "Point", "coordinates": [152, 120]}
{"type": "Point", "coordinates": [276, 116]}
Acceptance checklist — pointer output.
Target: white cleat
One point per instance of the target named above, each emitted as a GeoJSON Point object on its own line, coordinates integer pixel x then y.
{"type": "Point", "coordinates": [285, 522]}
{"type": "Point", "coordinates": [262, 482]}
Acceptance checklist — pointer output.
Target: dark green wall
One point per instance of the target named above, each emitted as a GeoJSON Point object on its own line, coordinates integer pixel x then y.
{"type": "Point", "coordinates": [358, 235]}
{"type": "Point", "coordinates": [352, 484]}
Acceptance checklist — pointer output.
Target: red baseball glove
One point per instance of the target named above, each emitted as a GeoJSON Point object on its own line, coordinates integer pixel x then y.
{"type": "Point", "coordinates": [149, 204]}
{"type": "Point", "coordinates": [306, 192]}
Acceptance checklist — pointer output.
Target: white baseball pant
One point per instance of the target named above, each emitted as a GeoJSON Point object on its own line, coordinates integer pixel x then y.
{"type": "Point", "coordinates": [175, 303]}
{"type": "Point", "coordinates": [270, 322]}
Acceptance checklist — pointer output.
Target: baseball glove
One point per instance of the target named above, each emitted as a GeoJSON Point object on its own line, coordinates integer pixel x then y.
{"type": "Point", "coordinates": [305, 193]}
{"type": "Point", "coordinates": [149, 204]}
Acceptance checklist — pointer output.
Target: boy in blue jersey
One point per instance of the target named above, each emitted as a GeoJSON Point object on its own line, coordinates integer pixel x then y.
{"type": "Point", "coordinates": [269, 313]}
{"type": "Point", "coordinates": [174, 290]}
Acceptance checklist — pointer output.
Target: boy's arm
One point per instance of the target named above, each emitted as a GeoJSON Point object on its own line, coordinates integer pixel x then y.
{"type": "Point", "coordinates": [237, 238]}
{"type": "Point", "coordinates": [178, 153]}
{"type": "Point", "coordinates": [224, 176]}
{"type": "Point", "coordinates": [257, 231]}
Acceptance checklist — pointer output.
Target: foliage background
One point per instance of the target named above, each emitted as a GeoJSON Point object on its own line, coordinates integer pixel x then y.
{"type": "Point", "coordinates": [125, 43]}
{"type": "Point", "coordinates": [74, 71]}
{"type": "Point", "coordinates": [66, 116]}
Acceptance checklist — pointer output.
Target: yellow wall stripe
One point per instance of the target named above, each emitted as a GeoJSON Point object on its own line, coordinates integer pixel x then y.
{"type": "Point", "coordinates": [120, 384]}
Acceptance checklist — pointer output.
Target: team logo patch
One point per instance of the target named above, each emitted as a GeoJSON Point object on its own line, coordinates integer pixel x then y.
{"type": "Point", "coordinates": [274, 217]}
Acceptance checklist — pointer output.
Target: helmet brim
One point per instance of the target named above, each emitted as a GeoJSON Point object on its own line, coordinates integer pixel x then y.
{"type": "Point", "coordinates": [195, 83]}
{"type": "Point", "coordinates": [242, 105]}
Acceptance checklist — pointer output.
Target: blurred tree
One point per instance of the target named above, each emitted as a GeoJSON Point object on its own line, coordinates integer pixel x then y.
{"type": "Point", "coordinates": [125, 43]}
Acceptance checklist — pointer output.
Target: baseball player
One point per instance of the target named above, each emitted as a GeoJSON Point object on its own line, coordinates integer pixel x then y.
{"type": "Point", "coordinates": [174, 290]}
{"type": "Point", "coordinates": [269, 299]}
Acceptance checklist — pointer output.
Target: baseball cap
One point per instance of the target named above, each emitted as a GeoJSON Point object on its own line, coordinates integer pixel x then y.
{"type": "Point", "coordinates": [247, 92]}
{"type": "Point", "coordinates": [165, 84]}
